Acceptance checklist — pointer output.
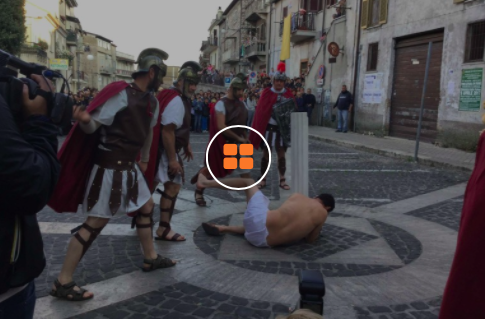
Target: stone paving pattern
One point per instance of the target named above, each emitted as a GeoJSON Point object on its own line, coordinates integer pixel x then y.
{"type": "Point", "coordinates": [333, 239]}
{"type": "Point", "coordinates": [426, 309]}
{"type": "Point", "coordinates": [185, 301]}
{"type": "Point", "coordinates": [352, 187]}
{"type": "Point", "coordinates": [447, 213]}
{"type": "Point", "coordinates": [108, 257]}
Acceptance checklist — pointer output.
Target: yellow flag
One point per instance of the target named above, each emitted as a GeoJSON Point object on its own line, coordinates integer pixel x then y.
{"type": "Point", "coordinates": [285, 51]}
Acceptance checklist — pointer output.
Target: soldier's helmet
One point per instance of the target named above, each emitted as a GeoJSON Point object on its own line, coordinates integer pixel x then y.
{"type": "Point", "coordinates": [189, 72]}
{"type": "Point", "coordinates": [239, 82]}
{"type": "Point", "coordinates": [151, 57]}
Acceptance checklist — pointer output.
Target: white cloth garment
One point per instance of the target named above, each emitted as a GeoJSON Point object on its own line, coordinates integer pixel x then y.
{"type": "Point", "coordinates": [105, 115]}
{"type": "Point", "coordinates": [255, 220]}
{"type": "Point", "coordinates": [173, 114]}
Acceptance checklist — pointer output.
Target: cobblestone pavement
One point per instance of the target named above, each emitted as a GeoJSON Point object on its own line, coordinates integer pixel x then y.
{"type": "Point", "coordinates": [378, 252]}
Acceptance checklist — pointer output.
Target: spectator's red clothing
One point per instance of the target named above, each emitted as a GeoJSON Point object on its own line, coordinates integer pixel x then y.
{"type": "Point", "coordinates": [211, 108]}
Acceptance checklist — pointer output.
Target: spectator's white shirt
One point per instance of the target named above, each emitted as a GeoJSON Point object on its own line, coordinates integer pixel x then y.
{"type": "Point", "coordinates": [174, 113]}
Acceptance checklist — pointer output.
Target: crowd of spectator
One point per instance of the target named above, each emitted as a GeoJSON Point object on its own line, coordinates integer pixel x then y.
{"type": "Point", "coordinates": [84, 96]}
{"type": "Point", "coordinates": [203, 102]}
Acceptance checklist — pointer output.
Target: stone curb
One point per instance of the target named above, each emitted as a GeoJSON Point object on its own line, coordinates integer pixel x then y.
{"type": "Point", "coordinates": [394, 154]}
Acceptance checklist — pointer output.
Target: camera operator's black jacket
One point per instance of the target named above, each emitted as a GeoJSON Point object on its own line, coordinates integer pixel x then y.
{"type": "Point", "coordinates": [29, 170]}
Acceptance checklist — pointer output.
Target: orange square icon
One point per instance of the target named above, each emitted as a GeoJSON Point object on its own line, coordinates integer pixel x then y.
{"type": "Point", "coordinates": [246, 163]}
{"type": "Point", "coordinates": [230, 163]}
{"type": "Point", "coordinates": [246, 150]}
{"type": "Point", "coordinates": [230, 150]}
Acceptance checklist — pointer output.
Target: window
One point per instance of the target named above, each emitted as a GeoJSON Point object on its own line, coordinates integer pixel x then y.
{"type": "Point", "coordinates": [475, 42]}
{"type": "Point", "coordinates": [285, 12]}
{"type": "Point", "coordinates": [374, 13]}
{"type": "Point", "coordinates": [303, 67]}
{"type": "Point", "coordinates": [312, 5]}
{"type": "Point", "coordinates": [372, 57]}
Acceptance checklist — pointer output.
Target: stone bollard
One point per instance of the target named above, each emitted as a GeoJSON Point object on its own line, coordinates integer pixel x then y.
{"type": "Point", "coordinates": [299, 154]}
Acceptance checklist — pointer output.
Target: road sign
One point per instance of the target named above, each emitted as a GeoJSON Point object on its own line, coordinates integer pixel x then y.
{"type": "Point", "coordinates": [322, 71]}
{"type": "Point", "coordinates": [320, 82]}
{"type": "Point", "coordinates": [227, 82]}
{"type": "Point", "coordinates": [253, 77]}
{"type": "Point", "coordinates": [59, 64]}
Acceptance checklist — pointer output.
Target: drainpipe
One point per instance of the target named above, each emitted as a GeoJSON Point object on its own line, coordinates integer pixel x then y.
{"type": "Point", "coordinates": [357, 66]}
{"type": "Point", "coordinates": [269, 37]}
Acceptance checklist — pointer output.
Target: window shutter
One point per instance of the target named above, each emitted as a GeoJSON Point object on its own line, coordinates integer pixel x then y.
{"type": "Point", "coordinates": [314, 5]}
{"type": "Point", "coordinates": [365, 14]}
{"type": "Point", "coordinates": [383, 11]}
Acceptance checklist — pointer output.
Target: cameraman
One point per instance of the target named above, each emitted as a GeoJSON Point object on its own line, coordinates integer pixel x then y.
{"type": "Point", "coordinates": [29, 171]}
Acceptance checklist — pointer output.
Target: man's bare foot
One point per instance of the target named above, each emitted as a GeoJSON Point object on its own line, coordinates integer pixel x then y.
{"type": "Point", "coordinates": [70, 293]}
{"type": "Point", "coordinates": [202, 181]}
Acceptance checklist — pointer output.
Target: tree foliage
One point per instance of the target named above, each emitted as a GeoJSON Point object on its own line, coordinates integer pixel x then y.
{"type": "Point", "coordinates": [12, 25]}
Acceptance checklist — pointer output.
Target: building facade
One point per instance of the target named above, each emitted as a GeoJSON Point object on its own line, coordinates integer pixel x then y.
{"type": "Point", "coordinates": [124, 66]}
{"type": "Point", "coordinates": [99, 59]}
{"type": "Point", "coordinates": [394, 45]}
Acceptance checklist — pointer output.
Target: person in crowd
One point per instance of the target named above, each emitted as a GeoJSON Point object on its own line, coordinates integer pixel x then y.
{"type": "Point", "coordinates": [298, 218]}
{"type": "Point", "coordinates": [300, 102]}
{"type": "Point", "coordinates": [198, 114]}
{"type": "Point", "coordinates": [272, 73]}
{"type": "Point", "coordinates": [112, 181]}
{"type": "Point", "coordinates": [344, 103]}
{"type": "Point", "coordinates": [205, 115]}
{"type": "Point", "coordinates": [29, 171]}
{"type": "Point", "coordinates": [251, 104]}
{"type": "Point", "coordinates": [309, 102]}
{"type": "Point", "coordinates": [175, 146]}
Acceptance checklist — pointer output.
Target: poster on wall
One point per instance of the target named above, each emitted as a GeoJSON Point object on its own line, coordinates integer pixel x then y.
{"type": "Point", "coordinates": [471, 85]}
{"type": "Point", "coordinates": [372, 88]}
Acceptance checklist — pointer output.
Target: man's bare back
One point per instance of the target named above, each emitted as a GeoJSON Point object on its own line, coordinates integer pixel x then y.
{"type": "Point", "coordinates": [299, 217]}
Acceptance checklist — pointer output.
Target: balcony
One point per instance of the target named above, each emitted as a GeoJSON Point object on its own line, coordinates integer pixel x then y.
{"type": "Point", "coordinates": [256, 12]}
{"type": "Point", "coordinates": [255, 49]}
{"type": "Point", "coordinates": [33, 53]}
{"type": "Point", "coordinates": [210, 45]}
{"type": "Point", "coordinates": [231, 57]}
{"type": "Point", "coordinates": [71, 38]}
{"type": "Point", "coordinates": [124, 73]}
{"type": "Point", "coordinates": [124, 56]}
{"type": "Point", "coordinates": [303, 27]}
{"type": "Point", "coordinates": [106, 70]}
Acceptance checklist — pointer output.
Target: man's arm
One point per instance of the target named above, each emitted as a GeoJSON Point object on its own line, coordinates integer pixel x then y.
{"type": "Point", "coordinates": [351, 102]}
{"type": "Point", "coordinates": [337, 100]}
{"type": "Point", "coordinates": [168, 137]}
{"type": "Point", "coordinates": [314, 235]}
{"type": "Point", "coordinates": [28, 162]}
{"type": "Point", "coordinates": [229, 134]}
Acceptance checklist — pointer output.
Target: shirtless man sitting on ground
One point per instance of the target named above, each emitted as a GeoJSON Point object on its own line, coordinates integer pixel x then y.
{"type": "Point", "coordinates": [298, 218]}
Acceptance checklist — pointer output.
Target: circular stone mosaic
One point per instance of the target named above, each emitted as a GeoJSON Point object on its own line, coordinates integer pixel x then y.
{"type": "Point", "coordinates": [381, 248]}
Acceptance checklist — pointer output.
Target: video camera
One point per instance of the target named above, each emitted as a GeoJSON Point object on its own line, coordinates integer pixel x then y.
{"type": "Point", "coordinates": [60, 105]}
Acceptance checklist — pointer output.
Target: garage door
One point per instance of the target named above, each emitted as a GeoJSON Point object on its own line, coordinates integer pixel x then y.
{"type": "Point", "coordinates": [408, 81]}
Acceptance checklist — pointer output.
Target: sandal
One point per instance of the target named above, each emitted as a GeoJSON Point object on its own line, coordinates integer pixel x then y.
{"type": "Point", "coordinates": [211, 229]}
{"type": "Point", "coordinates": [199, 197]}
{"type": "Point", "coordinates": [66, 290]}
{"type": "Point", "coordinates": [262, 185]}
{"type": "Point", "coordinates": [163, 237]}
{"type": "Point", "coordinates": [196, 176]}
{"type": "Point", "coordinates": [158, 263]}
{"type": "Point", "coordinates": [284, 186]}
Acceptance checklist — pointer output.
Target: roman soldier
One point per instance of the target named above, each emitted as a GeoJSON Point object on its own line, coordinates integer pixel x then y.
{"type": "Point", "coordinates": [228, 111]}
{"type": "Point", "coordinates": [266, 124]}
{"type": "Point", "coordinates": [175, 126]}
{"type": "Point", "coordinates": [100, 173]}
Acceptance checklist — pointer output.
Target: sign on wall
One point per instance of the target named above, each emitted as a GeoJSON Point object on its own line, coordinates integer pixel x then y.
{"type": "Point", "coordinates": [59, 64]}
{"type": "Point", "coordinates": [253, 77]}
{"type": "Point", "coordinates": [372, 88]}
{"type": "Point", "coordinates": [471, 85]}
{"type": "Point", "coordinates": [227, 82]}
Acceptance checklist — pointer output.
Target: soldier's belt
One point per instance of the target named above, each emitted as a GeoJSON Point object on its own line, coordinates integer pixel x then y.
{"type": "Point", "coordinates": [114, 160]}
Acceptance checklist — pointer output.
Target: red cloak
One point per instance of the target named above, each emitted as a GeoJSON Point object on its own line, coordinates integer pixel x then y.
{"type": "Point", "coordinates": [216, 154]}
{"type": "Point", "coordinates": [164, 97]}
{"type": "Point", "coordinates": [77, 157]}
{"type": "Point", "coordinates": [464, 292]}
{"type": "Point", "coordinates": [263, 112]}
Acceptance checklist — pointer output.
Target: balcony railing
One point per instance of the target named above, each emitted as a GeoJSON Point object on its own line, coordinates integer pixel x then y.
{"type": "Point", "coordinates": [125, 56]}
{"type": "Point", "coordinates": [303, 21]}
{"type": "Point", "coordinates": [230, 55]}
{"type": "Point", "coordinates": [32, 48]}
{"type": "Point", "coordinates": [280, 32]}
{"type": "Point", "coordinates": [213, 41]}
{"type": "Point", "coordinates": [71, 36]}
{"type": "Point", "coordinates": [122, 72]}
{"type": "Point", "coordinates": [106, 69]}
{"type": "Point", "coordinates": [255, 48]}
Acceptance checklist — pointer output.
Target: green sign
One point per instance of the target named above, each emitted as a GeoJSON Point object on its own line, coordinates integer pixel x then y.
{"type": "Point", "coordinates": [471, 87]}
{"type": "Point", "coordinates": [59, 64]}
